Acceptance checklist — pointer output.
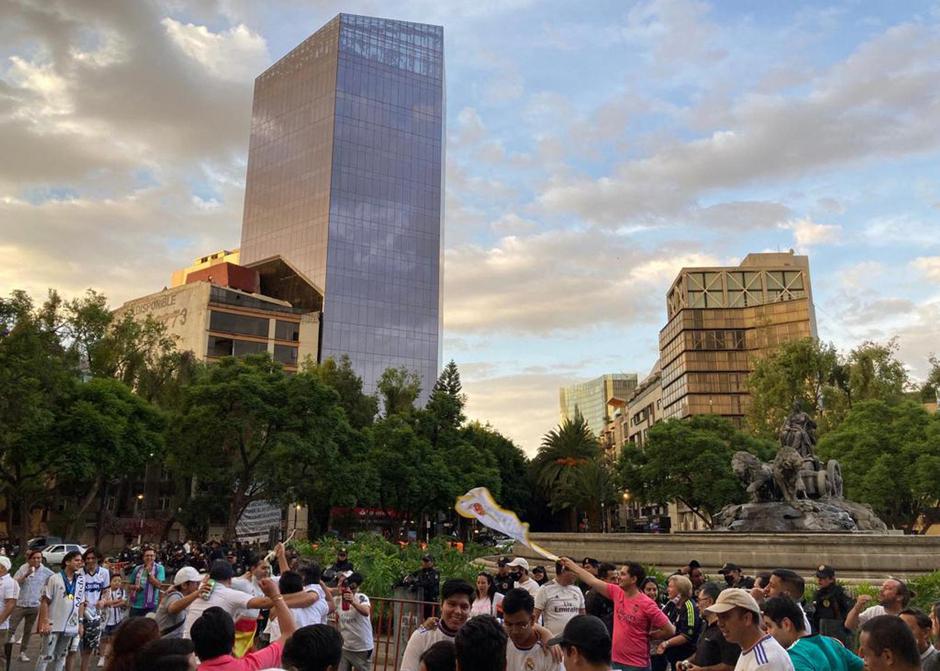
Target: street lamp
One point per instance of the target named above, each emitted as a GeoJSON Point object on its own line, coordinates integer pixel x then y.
{"type": "Point", "coordinates": [140, 518]}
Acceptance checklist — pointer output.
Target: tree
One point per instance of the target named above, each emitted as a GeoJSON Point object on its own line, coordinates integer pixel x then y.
{"type": "Point", "coordinates": [564, 448]}
{"type": "Point", "coordinates": [399, 389]}
{"type": "Point", "coordinates": [38, 377]}
{"type": "Point", "coordinates": [875, 373]}
{"type": "Point", "coordinates": [800, 371]}
{"type": "Point", "coordinates": [689, 461]}
{"type": "Point", "coordinates": [589, 487]}
{"type": "Point", "coordinates": [930, 391]}
{"type": "Point", "coordinates": [444, 409]}
{"type": "Point", "coordinates": [264, 434]}
{"type": "Point", "coordinates": [510, 460]}
{"type": "Point", "coordinates": [104, 432]}
{"type": "Point", "coordinates": [360, 408]}
{"type": "Point", "coordinates": [890, 457]}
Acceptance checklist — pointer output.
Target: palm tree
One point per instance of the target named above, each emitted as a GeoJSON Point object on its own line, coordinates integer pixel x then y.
{"type": "Point", "coordinates": [588, 487]}
{"type": "Point", "coordinates": [563, 450]}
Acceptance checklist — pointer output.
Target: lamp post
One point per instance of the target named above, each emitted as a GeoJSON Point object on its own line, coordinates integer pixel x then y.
{"type": "Point", "coordinates": [140, 518]}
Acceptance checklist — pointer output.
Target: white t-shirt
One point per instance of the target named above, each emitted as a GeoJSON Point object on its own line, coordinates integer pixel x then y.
{"type": "Point", "coordinates": [529, 586]}
{"type": "Point", "coordinates": [869, 613]}
{"type": "Point", "coordinates": [355, 627]}
{"type": "Point", "coordinates": [421, 640]}
{"type": "Point", "coordinates": [319, 611]}
{"type": "Point", "coordinates": [536, 658]}
{"type": "Point", "coordinates": [95, 586]}
{"type": "Point", "coordinates": [766, 655]}
{"type": "Point", "coordinates": [228, 599]}
{"type": "Point", "coordinates": [64, 601]}
{"type": "Point", "coordinates": [558, 603]}
{"type": "Point", "coordinates": [251, 588]}
{"type": "Point", "coordinates": [486, 606]}
{"type": "Point", "coordinates": [9, 589]}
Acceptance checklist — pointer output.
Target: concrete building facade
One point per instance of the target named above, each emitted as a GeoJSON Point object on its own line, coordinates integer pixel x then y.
{"type": "Point", "coordinates": [720, 319]}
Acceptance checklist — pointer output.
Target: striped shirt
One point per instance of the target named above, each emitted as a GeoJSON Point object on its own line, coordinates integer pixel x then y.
{"type": "Point", "coordinates": [766, 655]}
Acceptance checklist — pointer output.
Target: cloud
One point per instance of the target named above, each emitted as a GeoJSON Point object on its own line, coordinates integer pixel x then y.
{"type": "Point", "coordinates": [929, 266]}
{"type": "Point", "coordinates": [557, 281]}
{"type": "Point", "coordinates": [877, 103]}
{"type": "Point", "coordinates": [807, 233]}
{"type": "Point", "coordinates": [237, 54]}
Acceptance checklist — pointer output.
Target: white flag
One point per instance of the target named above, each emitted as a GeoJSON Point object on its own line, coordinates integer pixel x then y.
{"type": "Point", "coordinates": [479, 504]}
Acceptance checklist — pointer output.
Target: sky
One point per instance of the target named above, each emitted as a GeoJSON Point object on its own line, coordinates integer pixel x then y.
{"type": "Point", "coordinates": [593, 149]}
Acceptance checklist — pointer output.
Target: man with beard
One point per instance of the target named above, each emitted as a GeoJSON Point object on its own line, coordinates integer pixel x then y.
{"type": "Point", "coordinates": [892, 599]}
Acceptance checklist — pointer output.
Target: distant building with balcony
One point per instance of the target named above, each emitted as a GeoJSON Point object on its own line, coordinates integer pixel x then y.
{"type": "Point", "coordinates": [590, 399]}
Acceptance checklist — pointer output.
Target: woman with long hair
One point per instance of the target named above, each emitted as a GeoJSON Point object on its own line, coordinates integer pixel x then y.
{"type": "Point", "coordinates": [486, 600]}
{"type": "Point", "coordinates": [132, 635]}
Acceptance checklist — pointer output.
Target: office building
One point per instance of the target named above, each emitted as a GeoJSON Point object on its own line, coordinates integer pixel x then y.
{"type": "Point", "coordinates": [229, 310]}
{"type": "Point", "coordinates": [720, 319]}
{"type": "Point", "coordinates": [590, 399]}
{"type": "Point", "coordinates": [345, 182]}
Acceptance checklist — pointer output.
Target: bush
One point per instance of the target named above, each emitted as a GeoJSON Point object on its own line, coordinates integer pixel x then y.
{"type": "Point", "coordinates": [384, 564]}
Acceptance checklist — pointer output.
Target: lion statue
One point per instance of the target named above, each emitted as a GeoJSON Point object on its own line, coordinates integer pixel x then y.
{"type": "Point", "coordinates": [787, 474]}
{"type": "Point", "coordinates": [757, 476]}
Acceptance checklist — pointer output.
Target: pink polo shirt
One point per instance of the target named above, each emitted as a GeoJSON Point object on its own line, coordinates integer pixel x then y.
{"type": "Point", "coordinates": [269, 657]}
{"type": "Point", "coordinates": [634, 617]}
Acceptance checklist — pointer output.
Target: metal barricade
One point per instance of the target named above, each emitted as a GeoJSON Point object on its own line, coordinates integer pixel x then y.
{"type": "Point", "coordinates": [393, 622]}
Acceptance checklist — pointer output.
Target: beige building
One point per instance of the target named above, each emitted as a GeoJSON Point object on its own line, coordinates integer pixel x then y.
{"type": "Point", "coordinates": [214, 314]}
{"type": "Point", "coordinates": [720, 319]}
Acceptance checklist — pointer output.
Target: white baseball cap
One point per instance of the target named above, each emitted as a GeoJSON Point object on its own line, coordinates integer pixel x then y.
{"type": "Point", "coordinates": [186, 574]}
{"type": "Point", "coordinates": [5, 562]}
{"type": "Point", "coordinates": [520, 562]}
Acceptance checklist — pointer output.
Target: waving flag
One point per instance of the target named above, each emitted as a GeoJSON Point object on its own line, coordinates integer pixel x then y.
{"type": "Point", "coordinates": [479, 504]}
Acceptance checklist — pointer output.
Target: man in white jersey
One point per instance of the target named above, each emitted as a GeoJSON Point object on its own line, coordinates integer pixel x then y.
{"type": "Point", "coordinates": [60, 612]}
{"type": "Point", "coordinates": [455, 609]}
{"type": "Point", "coordinates": [9, 592]}
{"type": "Point", "coordinates": [525, 581]}
{"type": "Point", "coordinates": [97, 586]}
{"type": "Point", "coordinates": [559, 600]}
{"type": "Point", "coordinates": [525, 651]}
{"type": "Point", "coordinates": [739, 619]}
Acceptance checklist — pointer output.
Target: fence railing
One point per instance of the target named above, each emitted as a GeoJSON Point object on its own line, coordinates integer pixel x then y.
{"type": "Point", "coordinates": [393, 622]}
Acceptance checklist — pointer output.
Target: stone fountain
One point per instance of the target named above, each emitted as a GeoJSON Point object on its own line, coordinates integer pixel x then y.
{"type": "Point", "coordinates": [796, 491]}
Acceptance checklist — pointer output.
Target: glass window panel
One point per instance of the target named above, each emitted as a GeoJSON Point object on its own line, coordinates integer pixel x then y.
{"type": "Point", "coordinates": [246, 347]}
{"type": "Point", "coordinates": [219, 346]}
{"type": "Point", "coordinates": [284, 330]}
{"type": "Point", "coordinates": [242, 324]}
{"type": "Point", "coordinates": [285, 354]}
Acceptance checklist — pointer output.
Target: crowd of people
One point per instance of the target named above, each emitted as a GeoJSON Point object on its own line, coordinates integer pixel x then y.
{"type": "Point", "coordinates": [241, 611]}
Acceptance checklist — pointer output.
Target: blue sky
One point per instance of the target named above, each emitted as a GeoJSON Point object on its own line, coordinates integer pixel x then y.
{"type": "Point", "coordinates": [593, 150]}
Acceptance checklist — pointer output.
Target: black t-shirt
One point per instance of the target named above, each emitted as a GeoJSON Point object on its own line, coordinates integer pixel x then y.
{"type": "Point", "coordinates": [714, 649]}
{"type": "Point", "coordinates": [600, 606]}
{"type": "Point", "coordinates": [504, 583]}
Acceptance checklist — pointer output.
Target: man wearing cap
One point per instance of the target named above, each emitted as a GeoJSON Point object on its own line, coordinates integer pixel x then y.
{"type": "Point", "coordinates": [586, 644]}
{"type": "Point", "coordinates": [524, 581]}
{"type": "Point", "coordinates": [342, 563]}
{"type": "Point", "coordinates": [637, 618]}
{"type": "Point", "coordinates": [171, 613]}
{"type": "Point", "coordinates": [831, 605]}
{"type": "Point", "coordinates": [590, 565]}
{"type": "Point", "coordinates": [427, 582]}
{"type": "Point", "coordinates": [712, 651]}
{"type": "Point", "coordinates": [504, 578]}
{"type": "Point", "coordinates": [735, 577]}
{"type": "Point", "coordinates": [9, 592]}
{"type": "Point", "coordinates": [739, 619]}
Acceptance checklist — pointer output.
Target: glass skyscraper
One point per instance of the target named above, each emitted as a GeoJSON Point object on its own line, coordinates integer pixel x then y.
{"type": "Point", "coordinates": [345, 182]}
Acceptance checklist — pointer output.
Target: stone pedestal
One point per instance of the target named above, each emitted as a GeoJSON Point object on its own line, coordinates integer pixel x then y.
{"type": "Point", "coordinates": [803, 515]}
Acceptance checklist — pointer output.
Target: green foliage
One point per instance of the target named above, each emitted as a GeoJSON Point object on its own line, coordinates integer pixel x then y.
{"type": "Point", "coordinates": [566, 450]}
{"type": "Point", "coordinates": [890, 456]}
{"type": "Point", "coordinates": [360, 408]}
{"type": "Point", "coordinates": [930, 391]}
{"type": "Point", "coordinates": [398, 389]}
{"type": "Point", "coordinates": [690, 461]}
{"type": "Point", "coordinates": [802, 371]}
{"type": "Point", "coordinates": [383, 564]}
{"type": "Point", "coordinates": [926, 590]}
{"type": "Point", "coordinates": [273, 436]}
{"type": "Point", "coordinates": [513, 466]}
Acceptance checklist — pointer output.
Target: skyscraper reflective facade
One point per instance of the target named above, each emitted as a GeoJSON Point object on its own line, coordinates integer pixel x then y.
{"type": "Point", "coordinates": [345, 181]}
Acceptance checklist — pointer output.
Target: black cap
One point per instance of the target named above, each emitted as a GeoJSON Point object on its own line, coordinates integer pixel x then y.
{"type": "Point", "coordinates": [591, 561]}
{"type": "Point", "coordinates": [588, 633]}
{"type": "Point", "coordinates": [427, 558]}
{"type": "Point", "coordinates": [221, 570]}
{"type": "Point", "coordinates": [825, 571]}
{"type": "Point", "coordinates": [341, 551]}
{"type": "Point", "coordinates": [728, 568]}
{"type": "Point", "coordinates": [538, 569]}
{"type": "Point", "coordinates": [694, 564]}
{"type": "Point", "coordinates": [502, 561]}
